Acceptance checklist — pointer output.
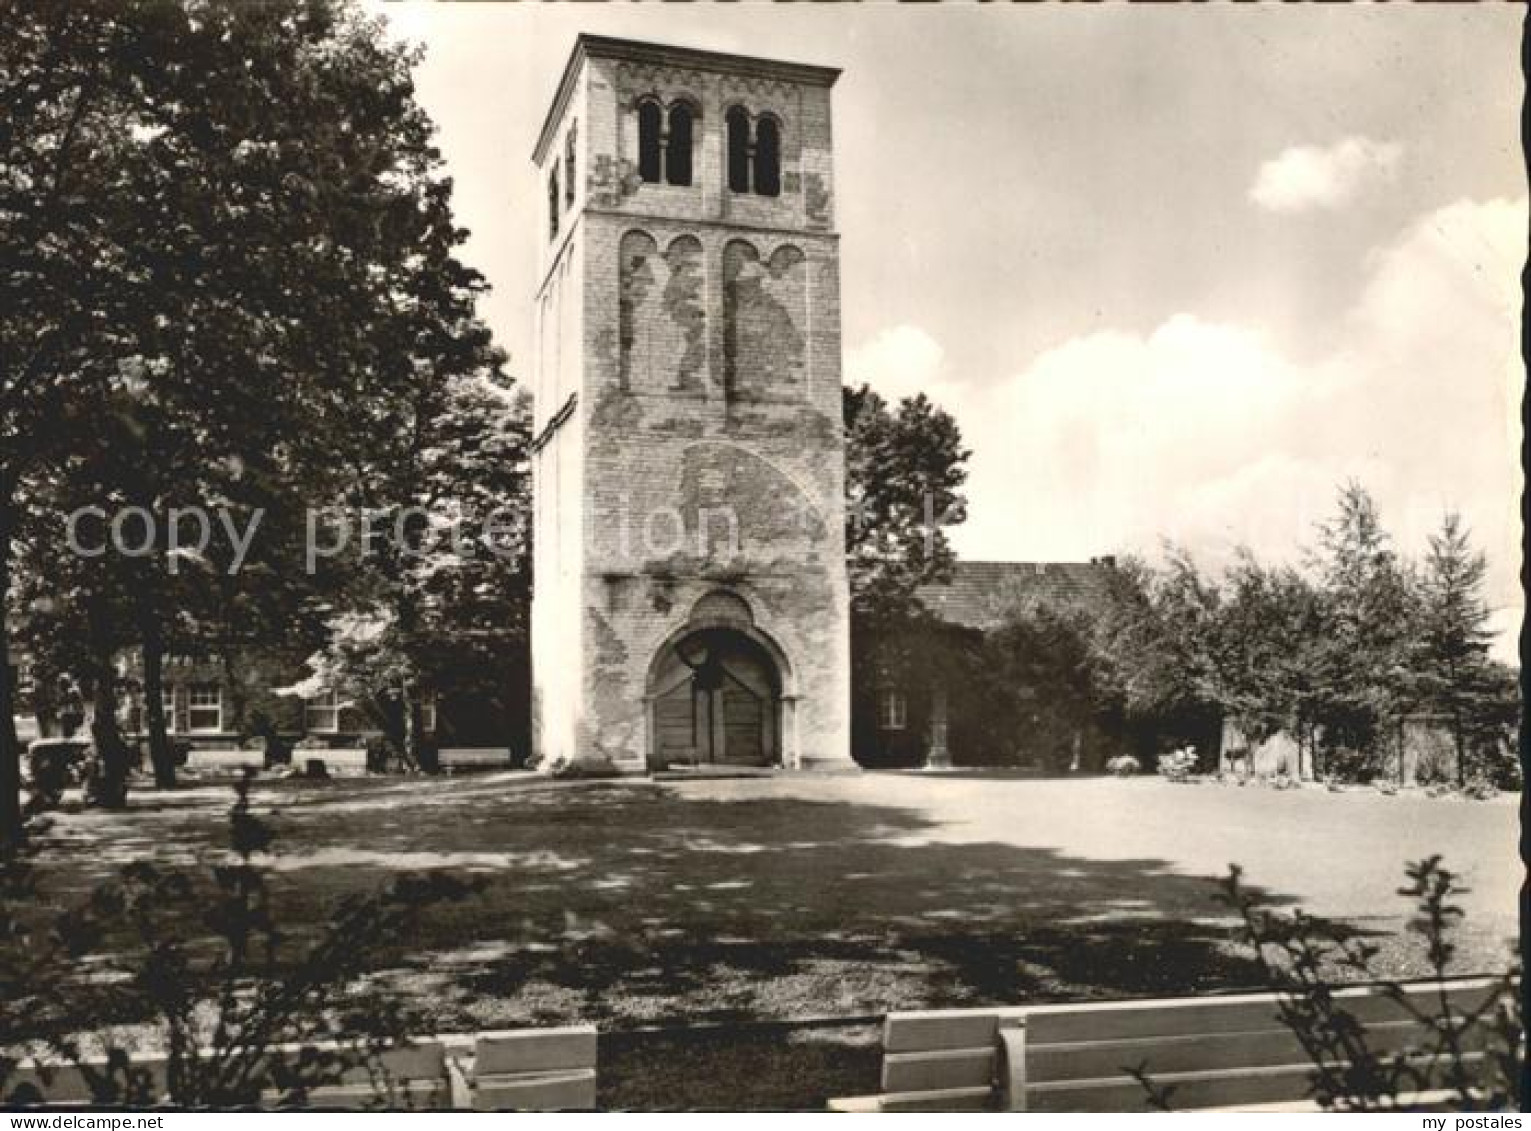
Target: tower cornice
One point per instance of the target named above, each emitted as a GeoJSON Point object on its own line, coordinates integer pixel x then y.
{"type": "Point", "coordinates": [587, 46]}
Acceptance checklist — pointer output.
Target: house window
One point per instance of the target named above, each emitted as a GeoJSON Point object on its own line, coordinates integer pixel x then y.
{"type": "Point", "coordinates": [678, 145]}
{"type": "Point", "coordinates": [569, 167]}
{"type": "Point", "coordinates": [322, 714]}
{"type": "Point", "coordinates": [167, 706]}
{"type": "Point", "coordinates": [738, 122]}
{"type": "Point", "coordinates": [650, 125]}
{"type": "Point", "coordinates": [553, 203]}
{"type": "Point", "coordinates": [892, 710]}
{"type": "Point", "coordinates": [428, 715]}
{"type": "Point", "coordinates": [204, 708]}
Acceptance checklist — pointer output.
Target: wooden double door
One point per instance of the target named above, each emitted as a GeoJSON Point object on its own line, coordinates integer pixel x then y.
{"type": "Point", "coordinates": [716, 702]}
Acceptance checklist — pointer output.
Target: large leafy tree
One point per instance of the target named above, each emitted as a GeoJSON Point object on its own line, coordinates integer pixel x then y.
{"type": "Point", "coordinates": [1271, 625]}
{"type": "Point", "coordinates": [227, 215]}
{"type": "Point", "coordinates": [1040, 683]}
{"type": "Point", "coordinates": [443, 596]}
{"type": "Point", "coordinates": [1156, 643]}
{"type": "Point", "coordinates": [904, 466]}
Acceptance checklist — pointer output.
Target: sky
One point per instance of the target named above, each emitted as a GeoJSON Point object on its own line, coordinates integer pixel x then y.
{"type": "Point", "coordinates": [1178, 272]}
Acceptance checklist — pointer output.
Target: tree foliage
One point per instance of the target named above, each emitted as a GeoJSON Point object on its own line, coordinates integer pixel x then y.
{"type": "Point", "coordinates": [233, 284]}
{"type": "Point", "coordinates": [904, 468]}
{"type": "Point", "coordinates": [1337, 653]}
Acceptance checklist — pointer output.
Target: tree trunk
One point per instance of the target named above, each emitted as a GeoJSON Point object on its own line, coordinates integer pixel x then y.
{"type": "Point", "coordinates": [228, 648]}
{"type": "Point", "coordinates": [410, 702]}
{"type": "Point", "coordinates": [10, 745]}
{"type": "Point", "coordinates": [1460, 741]}
{"type": "Point", "coordinates": [110, 790]}
{"type": "Point", "coordinates": [239, 706]}
{"type": "Point", "coordinates": [161, 757]}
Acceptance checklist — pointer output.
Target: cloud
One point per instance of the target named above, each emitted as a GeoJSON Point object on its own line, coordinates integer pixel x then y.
{"type": "Point", "coordinates": [1209, 434]}
{"type": "Point", "coordinates": [899, 362]}
{"type": "Point", "coordinates": [1306, 177]}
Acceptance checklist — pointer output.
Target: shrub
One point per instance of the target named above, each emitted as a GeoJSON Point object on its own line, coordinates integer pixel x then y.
{"type": "Point", "coordinates": [1347, 764]}
{"type": "Point", "coordinates": [1179, 765]}
{"type": "Point", "coordinates": [1297, 952]}
{"type": "Point", "coordinates": [204, 961]}
{"type": "Point", "coordinates": [1480, 789]}
{"type": "Point", "coordinates": [1123, 766]}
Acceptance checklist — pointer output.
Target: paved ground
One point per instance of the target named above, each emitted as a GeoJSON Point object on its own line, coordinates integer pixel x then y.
{"type": "Point", "coordinates": [636, 903]}
{"type": "Point", "coordinates": [639, 905]}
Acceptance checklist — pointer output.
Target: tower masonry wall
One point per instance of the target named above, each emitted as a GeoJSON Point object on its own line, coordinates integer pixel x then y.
{"type": "Point", "coordinates": [707, 425]}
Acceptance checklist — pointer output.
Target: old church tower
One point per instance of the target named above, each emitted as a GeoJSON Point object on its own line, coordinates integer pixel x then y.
{"type": "Point", "coordinates": [691, 601]}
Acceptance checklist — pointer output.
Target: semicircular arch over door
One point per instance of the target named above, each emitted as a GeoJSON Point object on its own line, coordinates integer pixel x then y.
{"type": "Point", "coordinates": [715, 696]}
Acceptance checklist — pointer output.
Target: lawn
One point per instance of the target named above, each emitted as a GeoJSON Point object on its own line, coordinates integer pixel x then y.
{"type": "Point", "coordinates": [642, 904]}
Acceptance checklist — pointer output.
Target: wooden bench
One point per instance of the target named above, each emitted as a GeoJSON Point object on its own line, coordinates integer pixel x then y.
{"type": "Point", "coordinates": [534, 1069]}
{"type": "Point", "coordinates": [474, 757]}
{"type": "Point", "coordinates": [412, 1078]}
{"type": "Point", "coordinates": [522, 1069]}
{"type": "Point", "coordinates": [1213, 1052]}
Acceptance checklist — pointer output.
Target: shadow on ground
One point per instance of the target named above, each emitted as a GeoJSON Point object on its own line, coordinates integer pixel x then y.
{"type": "Point", "coordinates": [632, 905]}
{"type": "Point", "coordinates": [629, 904]}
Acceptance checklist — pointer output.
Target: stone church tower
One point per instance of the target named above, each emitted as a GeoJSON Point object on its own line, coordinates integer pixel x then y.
{"type": "Point", "coordinates": [691, 599]}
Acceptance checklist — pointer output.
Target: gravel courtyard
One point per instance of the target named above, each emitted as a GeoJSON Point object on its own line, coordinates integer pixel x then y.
{"type": "Point", "coordinates": [635, 903]}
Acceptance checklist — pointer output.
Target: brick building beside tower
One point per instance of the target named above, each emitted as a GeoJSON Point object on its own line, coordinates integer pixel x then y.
{"type": "Point", "coordinates": [691, 603]}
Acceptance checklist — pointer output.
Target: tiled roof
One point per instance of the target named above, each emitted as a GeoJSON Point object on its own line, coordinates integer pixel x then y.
{"type": "Point", "coordinates": [979, 593]}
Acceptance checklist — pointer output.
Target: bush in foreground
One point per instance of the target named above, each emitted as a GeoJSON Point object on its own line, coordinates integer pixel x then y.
{"type": "Point", "coordinates": [204, 960]}
{"type": "Point", "coordinates": [1464, 1059]}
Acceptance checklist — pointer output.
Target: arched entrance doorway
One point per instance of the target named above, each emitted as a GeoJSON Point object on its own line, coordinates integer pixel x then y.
{"type": "Point", "coordinates": [716, 697]}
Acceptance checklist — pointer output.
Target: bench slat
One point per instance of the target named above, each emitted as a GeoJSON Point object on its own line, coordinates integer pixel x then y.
{"type": "Point", "coordinates": [927, 1030]}
{"type": "Point", "coordinates": [947, 1068]}
{"type": "Point", "coordinates": [1047, 1025]}
{"type": "Point", "coordinates": [944, 1099]}
{"type": "Point", "coordinates": [550, 1091]}
{"type": "Point", "coordinates": [534, 1050]}
{"type": "Point", "coordinates": [1192, 1091]}
{"type": "Point", "coordinates": [409, 1094]}
{"type": "Point", "coordinates": [1265, 1049]}
{"type": "Point", "coordinates": [856, 1104]}
{"type": "Point", "coordinates": [68, 1085]}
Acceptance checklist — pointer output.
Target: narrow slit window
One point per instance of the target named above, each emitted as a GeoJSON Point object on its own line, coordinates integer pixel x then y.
{"type": "Point", "coordinates": [650, 121]}
{"type": "Point", "coordinates": [569, 167]}
{"type": "Point", "coordinates": [738, 123]}
{"type": "Point", "coordinates": [768, 157]}
{"type": "Point", "coordinates": [678, 146]}
{"type": "Point", "coordinates": [553, 203]}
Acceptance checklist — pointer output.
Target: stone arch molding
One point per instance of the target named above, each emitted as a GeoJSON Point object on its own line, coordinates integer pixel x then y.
{"type": "Point", "coordinates": [662, 313]}
{"type": "Point", "coordinates": [708, 612]}
{"type": "Point", "coordinates": [765, 318]}
{"type": "Point", "coordinates": [802, 491]}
